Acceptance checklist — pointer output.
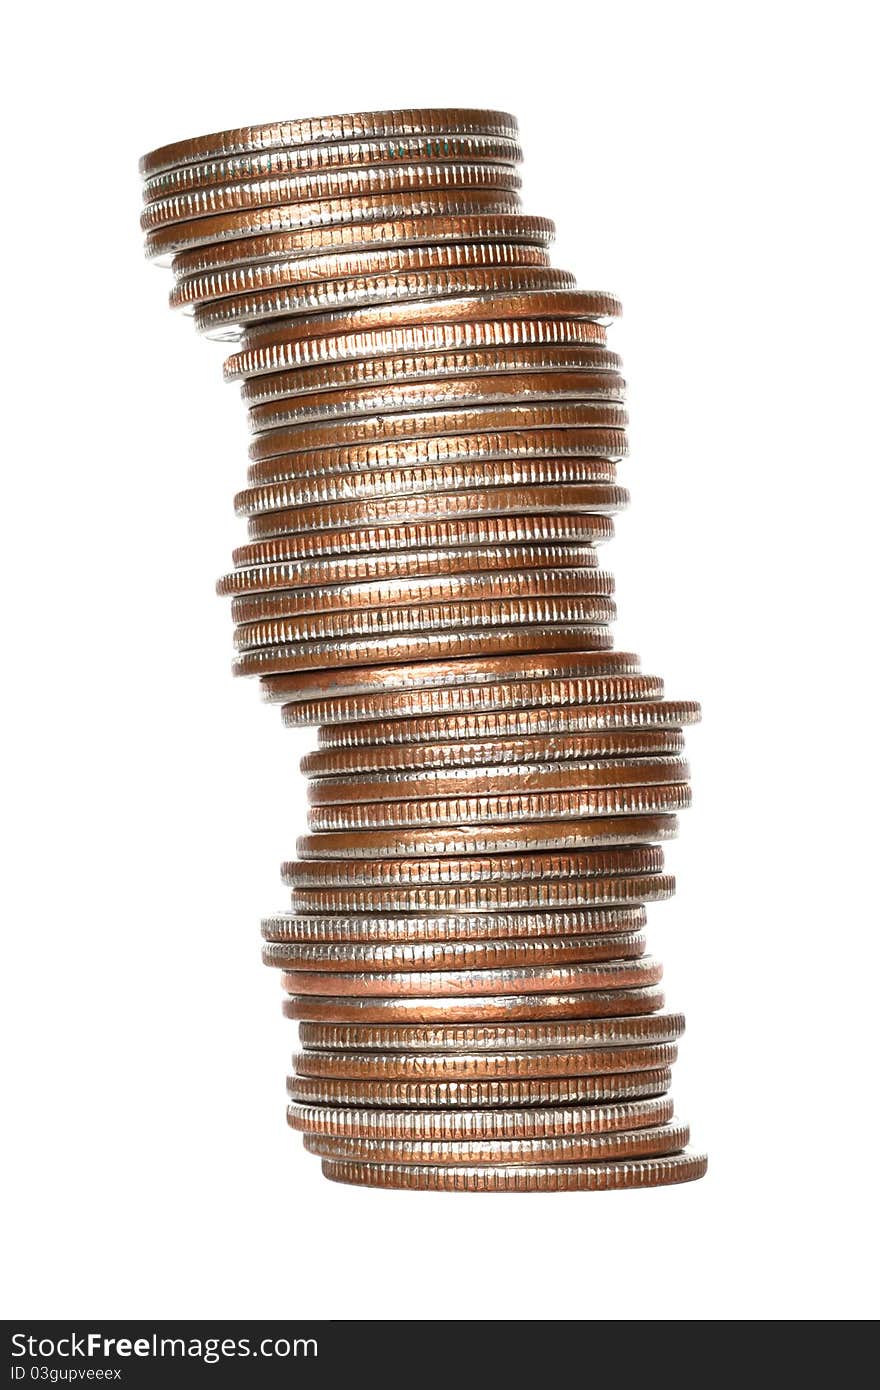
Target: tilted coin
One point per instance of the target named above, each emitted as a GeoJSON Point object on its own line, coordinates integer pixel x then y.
{"type": "Point", "coordinates": [162, 243]}
{"type": "Point", "coordinates": [454, 532]}
{"type": "Point", "coordinates": [284, 163]}
{"type": "Point", "coordinates": [422, 646]}
{"type": "Point", "coordinates": [463, 1066]}
{"type": "Point", "coordinates": [561, 1149]}
{"type": "Point", "coordinates": [598, 831]}
{"type": "Point", "coordinates": [375, 956]}
{"type": "Point", "coordinates": [441, 589]}
{"type": "Point", "coordinates": [311, 490]}
{"type": "Point", "coordinates": [287, 350]}
{"type": "Point", "coordinates": [260, 277]}
{"type": "Point", "coordinates": [543, 1091]}
{"type": "Point", "coordinates": [504, 1008]}
{"type": "Point", "coordinates": [447, 927]}
{"type": "Point", "coordinates": [630, 1031]}
{"type": "Point", "coordinates": [471, 868]}
{"type": "Point", "coordinates": [502, 808]}
{"type": "Point", "coordinates": [562, 747]}
{"type": "Point", "coordinates": [434, 366]}
{"type": "Point", "coordinates": [626, 973]}
{"type": "Point", "coordinates": [419, 565]}
{"type": "Point", "coordinates": [493, 897]}
{"type": "Point", "coordinates": [611, 719]}
{"type": "Point", "coordinates": [552, 1177]}
{"type": "Point", "coordinates": [579, 384]}
{"type": "Point", "coordinates": [456, 1126]}
{"type": "Point", "coordinates": [367, 181]}
{"type": "Point", "coordinates": [494, 779]}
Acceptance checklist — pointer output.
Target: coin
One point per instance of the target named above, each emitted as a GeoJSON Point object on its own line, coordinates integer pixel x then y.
{"type": "Point", "coordinates": [448, 534]}
{"type": "Point", "coordinates": [403, 482]}
{"type": "Point", "coordinates": [419, 565]}
{"type": "Point", "coordinates": [502, 808]}
{"type": "Point", "coordinates": [424, 366]}
{"type": "Point", "coordinates": [494, 897]}
{"type": "Point", "coordinates": [287, 349]}
{"type": "Point", "coordinates": [543, 1091]}
{"type": "Point", "coordinates": [559, 747]}
{"type": "Point", "coordinates": [490, 839]}
{"type": "Point", "coordinates": [455, 1126]}
{"type": "Point", "coordinates": [264, 276]}
{"type": "Point", "coordinates": [285, 163]}
{"type": "Point", "coordinates": [492, 1037]}
{"type": "Point", "coordinates": [363, 125]}
{"type": "Point", "coordinates": [561, 1149]}
{"type": "Point", "coordinates": [626, 973]}
{"type": "Point", "coordinates": [448, 928]}
{"type": "Point", "coordinates": [458, 1066]}
{"type": "Point", "coordinates": [450, 868]}
{"type": "Point", "coordinates": [453, 955]}
{"type": "Point", "coordinates": [442, 589]}
{"type": "Point", "coordinates": [491, 389]}
{"type": "Point", "coordinates": [499, 778]}
{"type": "Point", "coordinates": [508, 1008]}
{"type": "Point", "coordinates": [552, 1177]}
{"type": "Point", "coordinates": [408, 231]}
{"type": "Point", "coordinates": [423, 646]}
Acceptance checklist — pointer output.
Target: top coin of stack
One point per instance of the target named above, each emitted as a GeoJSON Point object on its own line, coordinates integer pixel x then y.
{"type": "Point", "coordinates": [437, 424]}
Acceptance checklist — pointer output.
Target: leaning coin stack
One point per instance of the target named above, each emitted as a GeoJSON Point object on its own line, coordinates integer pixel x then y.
{"type": "Point", "coordinates": [437, 424]}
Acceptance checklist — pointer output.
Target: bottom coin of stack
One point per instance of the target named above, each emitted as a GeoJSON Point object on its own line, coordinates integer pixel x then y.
{"type": "Point", "coordinates": [465, 950]}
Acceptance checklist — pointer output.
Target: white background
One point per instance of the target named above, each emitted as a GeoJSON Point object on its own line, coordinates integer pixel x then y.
{"type": "Point", "coordinates": [716, 167]}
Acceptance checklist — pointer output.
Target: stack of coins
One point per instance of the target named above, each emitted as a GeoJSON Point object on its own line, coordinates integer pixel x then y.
{"type": "Point", "coordinates": [437, 424]}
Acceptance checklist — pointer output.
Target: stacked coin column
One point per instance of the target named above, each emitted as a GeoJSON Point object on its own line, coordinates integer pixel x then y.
{"type": "Point", "coordinates": [437, 427]}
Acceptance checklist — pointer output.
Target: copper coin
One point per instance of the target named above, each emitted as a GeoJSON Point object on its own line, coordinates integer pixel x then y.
{"type": "Point", "coordinates": [473, 450]}
{"type": "Point", "coordinates": [490, 839]}
{"type": "Point", "coordinates": [502, 808]}
{"type": "Point", "coordinates": [261, 277]}
{"type": "Point", "coordinates": [411, 231]}
{"type": "Point", "coordinates": [464, 1066]}
{"type": "Point", "coordinates": [425, 646]}
{"type": "Point", "coordinates": [561, 747]}
{"type": "Point", "coordinates": [479, 363]}
{"type": "Point", "coordinates": [375, 956]}
{"type": "Point", "coordinates": [481, 839]}
{"type": "Point", "coordinates": [497, 868]}
{"type": "Point", "coordinates": [626, 973]}
{"type": "Point", "coordinates": [285, 163]}
{"type": "Point", "coordinates": [421, 565]}
{"type": "Point", "coordinates": [493, 897]}
{"type": "Point", "coordinates": [554, 720]}
{"type": "Point", "coordinates": [507, 1008]}
{"type": "Point", "coordinates": [570, 609]}
{"type": "Point", "coordinates": [543, 1091]}
{"type": "Point", "coordinates": [431, 589]}
{"type": "Point", "coordinates": [497, 307]}
{"type": "Point", "coordinates": [448, 927]}
{"type": "Point", "coordinates": [290, 351]}
{"type": "Point", "coordinates": [435, 478]}
{"type": "Point", "coordinates": [498, 778]}
{"type": "Point", "coordinates": [416, 424]}
{"type": "Point", "coordinates": [162, 243]}
{"type": "Point", "coordinates": [367, 181]}
{"type": "Point", "coordinates": [553, 1177]}
{"type": "Point", "coordinates": [578, 1034]}
{"type": "Point", "coordinates": [451, 392]}
{"type": "Point", "coordinates": [393, 541]}
{"type": "Point", "coordinates": [565, 1149]}
{"type": "Point", "coordinates": [456, 1126]}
